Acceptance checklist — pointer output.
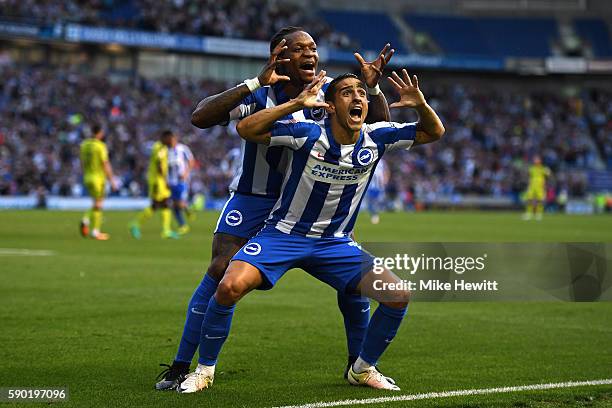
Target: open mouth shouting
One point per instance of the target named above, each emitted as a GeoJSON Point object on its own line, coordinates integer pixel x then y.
{"type": "Point", "coordinates": [308, 68]}
{"type": "Point", "coordinates": [356, 113]}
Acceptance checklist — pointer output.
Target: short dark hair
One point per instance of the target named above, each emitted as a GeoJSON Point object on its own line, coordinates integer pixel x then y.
{"type": "Point", "coordinates": [95, 129]}
{"type": "Point", "coordinates": [167, 133]}
{"type": "Point", "coordinates": [331, 88]}
{"type": "Point", "coordinates": [280, 34]}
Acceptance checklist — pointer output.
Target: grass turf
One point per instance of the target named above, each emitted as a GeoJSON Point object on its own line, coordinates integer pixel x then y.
{"type": "Point", "coordinates": [99, 316]}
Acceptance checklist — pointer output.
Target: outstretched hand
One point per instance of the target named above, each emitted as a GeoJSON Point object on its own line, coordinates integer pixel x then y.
{"type": "Point", "coordinates": [372, 71]}
{"type": "Point", "coordinates": [410, 94]}
{"type": "Point", "coordinates": [308, 97]}
{"type": "Point", "coordinates": [268, 75]}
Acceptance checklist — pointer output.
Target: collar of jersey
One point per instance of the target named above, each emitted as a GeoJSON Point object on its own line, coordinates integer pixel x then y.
{"type": "Point", "coordinates": [332, 140]}
{"type": "Point", "coordinates": [279, 91]}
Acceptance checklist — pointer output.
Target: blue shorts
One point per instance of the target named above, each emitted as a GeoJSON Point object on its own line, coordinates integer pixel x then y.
{"type": "Point", "coordinates": [243, 215]}
{"type": "Point", "coordinates": [179, 192]}
{"type": "Point", "coordinates": [339, 262]}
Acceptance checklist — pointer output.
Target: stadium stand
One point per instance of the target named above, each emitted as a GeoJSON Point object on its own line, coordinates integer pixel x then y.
{"type": "Point", "coordinates": [371, 29]}
{"type": "Point", "coordinates": [596, 32]}
{"type": "Point", "coordinates": [598, 108]}
{"type": "Point", "coordinates": [488, 36]}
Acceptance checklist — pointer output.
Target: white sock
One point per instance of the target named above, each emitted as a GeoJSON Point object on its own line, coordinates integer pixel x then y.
{"type": "Point", "coordinates": [208, 370]}
{"type": "Point", "coordinates": [360, 365]}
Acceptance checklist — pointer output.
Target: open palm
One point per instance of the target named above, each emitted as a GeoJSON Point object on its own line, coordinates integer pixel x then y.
{"type": "Point", "coordinates": [410, 94]}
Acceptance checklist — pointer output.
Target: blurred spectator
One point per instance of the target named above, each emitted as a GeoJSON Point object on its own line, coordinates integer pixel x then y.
{"type": "Point", "coordinates": [44, 113]}
{"type": "Point", "coordinates": [252, 19]}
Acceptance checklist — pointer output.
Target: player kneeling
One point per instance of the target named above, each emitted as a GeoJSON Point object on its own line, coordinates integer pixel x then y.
{"type": "Point", "coordinates": [310, 226]}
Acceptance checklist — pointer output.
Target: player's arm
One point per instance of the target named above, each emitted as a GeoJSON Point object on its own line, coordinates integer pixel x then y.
{"type": "Point", "coordinates": [429, 127]}
{"type": "Point", "coordinates": [215, 109]}
{"type": "Point", "coordinates": [378, 109]}
{"type": "Point", "coordinates": [108, 170]}
{"type": "Point", "coordinates": [162, 170]}
{"type": "Point", "coordinates": [106, 166]}
{"type": "Point", "coordinates": [257, 127]}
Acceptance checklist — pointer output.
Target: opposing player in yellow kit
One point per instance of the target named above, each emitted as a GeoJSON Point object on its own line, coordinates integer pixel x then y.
{"type": "Point", "coordinates": [159, 192]}
{"type": "Point", "coordinates": [536, 191]}
{"type": "Point", "coordinates": [96, 170]}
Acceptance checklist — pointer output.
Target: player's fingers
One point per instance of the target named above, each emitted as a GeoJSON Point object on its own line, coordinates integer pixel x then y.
{"type": "Point", "coordinates": [415, 81]}
{"type": "Point", "coordinates": [282, 61]}
{"type": "Point", "coordinates": [397, 79]}
{"type": "Point", "coordinates": [280, 47]}
{"type": "Point", "coordinates": [274, 55]}
{"type": "Point", "coordinates": [385, 49]}
{"type": "Point", "coordinates": [397, 86]}
{"type": "Point", "coordinates": [283, 78]}
{"type": "Point", "coordinates": [395, 105]}
{"type": "Point", "coordinates": [406, 77]}
{"type": "Point", "coordinates": [359, 59]}
{"type": "Point", "coordinates": [319, 84]}
{"type": "Point", "coordinates": [388, 57]}
{"type": "Point", "coordinates": [321, 105]}
{"type": "Point", "coordinates": [317, 79]}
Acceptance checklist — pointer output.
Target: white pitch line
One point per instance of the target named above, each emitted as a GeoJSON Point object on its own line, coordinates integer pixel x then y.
{"type": "Point", "coordinates": [25, 252]}
{"type": "Point", "coordinates": [458, 393]}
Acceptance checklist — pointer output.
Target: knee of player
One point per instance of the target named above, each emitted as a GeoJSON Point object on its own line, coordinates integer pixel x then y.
{"type": "Point", "coordinates": [399, 299]}
{"type": "Point", "coordinates": [230, 290]}
{"type": "Point", "coordinates": [217, 266]}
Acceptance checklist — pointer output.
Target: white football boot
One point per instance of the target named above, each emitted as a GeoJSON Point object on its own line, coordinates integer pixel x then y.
{"type": "Point", "coordinates": [371, 378]}
{"type": "Point", "coordinates": [201, 379]}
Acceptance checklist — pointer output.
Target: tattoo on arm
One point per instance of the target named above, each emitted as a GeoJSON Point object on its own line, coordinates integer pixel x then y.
{"type": "Point", "coordinates": [215, 109]}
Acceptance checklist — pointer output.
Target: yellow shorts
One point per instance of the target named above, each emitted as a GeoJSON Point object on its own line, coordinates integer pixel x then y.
{"type": "Point", "coordinates": [95, 187]}
{"type": "Point", "coordinates": [534, 193]}
{"type": "Point", "coordinates": [158, 190]}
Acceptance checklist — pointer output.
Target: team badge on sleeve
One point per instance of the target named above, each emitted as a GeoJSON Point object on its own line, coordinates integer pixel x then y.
{"type": "Point", "coordinates": [317, 113]}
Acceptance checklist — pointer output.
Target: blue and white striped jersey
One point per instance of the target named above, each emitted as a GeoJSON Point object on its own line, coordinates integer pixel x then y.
{"type": "Point", "coordinates": [179, 157]}
{"type": "Point", "coordinates": [258, 172]}
{"type": "Point", "coordinates": [324, 181]}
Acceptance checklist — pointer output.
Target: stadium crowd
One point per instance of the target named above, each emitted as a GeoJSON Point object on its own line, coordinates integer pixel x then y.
{"type": "Point", "coordinates": [599, 116]}
{"type": "Point", "coordinates": [45, 113]}
{"type": "Point", "coordinates": [252, 19]}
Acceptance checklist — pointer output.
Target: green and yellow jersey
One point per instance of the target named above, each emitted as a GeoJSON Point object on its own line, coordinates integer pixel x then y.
{"type": "Point", "coordinates": [158, 162]}
{"type": "Point", "coordinates": [537, 182]}
{"type": "Point", "coordinates": [537, 176]}
{"type": "Point", "coordinates": [158, 172]}
{"type": "Point", "coordinates": [93, 156]}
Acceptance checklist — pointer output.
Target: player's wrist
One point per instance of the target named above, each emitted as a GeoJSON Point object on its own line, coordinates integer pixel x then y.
{"type": "Point", "coordinates": [421, 105]}
{"type": "Point", "coordinates": [375, 90]}
{"type": "Point", "coordinates": [296, 104]}
{"type": "Point", "coordinates": [253, 84]}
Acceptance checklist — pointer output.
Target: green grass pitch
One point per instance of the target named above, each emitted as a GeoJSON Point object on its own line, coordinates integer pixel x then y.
{"type": "Point", "coordinates": [98, 317]}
